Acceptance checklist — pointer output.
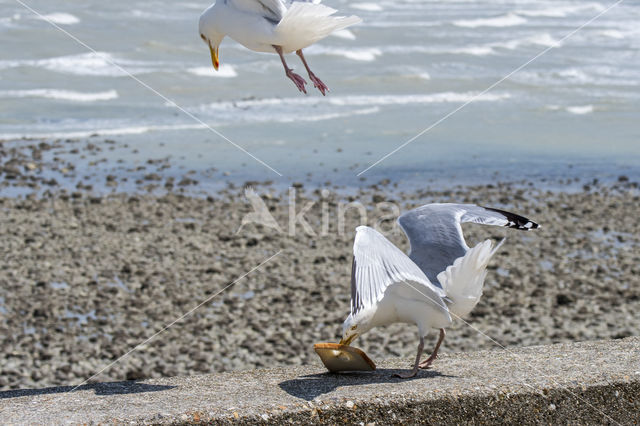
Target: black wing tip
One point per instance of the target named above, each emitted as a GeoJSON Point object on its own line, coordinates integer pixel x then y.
{"type": "Point", "coordinates": [516, 221]}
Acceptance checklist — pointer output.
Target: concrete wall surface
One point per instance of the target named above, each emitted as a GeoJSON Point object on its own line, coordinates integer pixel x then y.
{"type": "Point", "coordinates": [585, 383]}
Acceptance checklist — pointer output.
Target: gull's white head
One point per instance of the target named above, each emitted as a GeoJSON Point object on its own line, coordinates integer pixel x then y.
{"type": "Point", "coordinates": [209, 32]}
{"type": "Point", "coordinates": [349, 330]}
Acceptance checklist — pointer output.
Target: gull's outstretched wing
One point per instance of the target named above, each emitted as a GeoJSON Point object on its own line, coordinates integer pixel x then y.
{"type": "Point", "coordinates": [271, 10]}
{"type": "Point", "coordinates": [435, 233]}
{"type": "Point", "coordinates": [378, 264]}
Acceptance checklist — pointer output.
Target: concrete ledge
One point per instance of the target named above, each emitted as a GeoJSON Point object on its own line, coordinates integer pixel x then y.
{"type": "Point", "coordinates": [590, 382]}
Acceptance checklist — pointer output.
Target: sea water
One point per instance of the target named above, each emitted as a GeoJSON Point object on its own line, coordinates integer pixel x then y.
{"type": "Point", "coordinates": [457, 91]}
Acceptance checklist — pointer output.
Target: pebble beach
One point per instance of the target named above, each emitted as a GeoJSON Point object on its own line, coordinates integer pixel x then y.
{"type": "Point", "coordinates": [90, 270]}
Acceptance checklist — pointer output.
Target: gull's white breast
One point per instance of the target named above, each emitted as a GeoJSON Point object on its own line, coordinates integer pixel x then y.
{"type": "Point", "coordinates": [403, 304]}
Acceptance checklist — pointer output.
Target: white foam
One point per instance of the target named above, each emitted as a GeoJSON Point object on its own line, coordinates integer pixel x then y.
{"type": "Point", "coordinates": [116, 131]}
{"type": "Point", "coordinates": [225, 71]}
{"type": "Point", "coordinates": [97, 64]}
{"type": "Point", "coordinates": [580, 109]}
{"type": "Point", "coordinates": [445, 97]}
{"type": "Point", "coordinates": [560, 11]}
{"type": "Point", "coordinates": [575, 75]}
{"type": "Point", "coordinates": [473, 50]}
{"type": "Point", "coordinates": [508, 20]}
{"type": "Point", "coordinates": [278, 117]}
{"type": "Point", "coordinates": [400, 24]}
{"type": "Point", "coordinates": [10, 21]}
{"type": "Point", "coordinates": [593, 75]}
{"type": "Point", "coordinates": [60, 18]}
{"type": "Point", "coordinates": [369, 7]}
{"type": "Point", "coordinates": [612, 34]}
{"type": "Point", "coordinates": [542, 39]}
{"type": "Point", "coordinates": [357, 54]}
{"type": "Point", "coordinates": [344, 34]}
{"type": "Point", "coordinates": [292, 118]}
{"type": "Point", "coordinates": [65, 95]}
{"type": "Point", "coordinates": [91, 64]}
{"type": "Point", "coordinates": [356, 100]}
{"type": "Point", "coordinates": [442, 50]}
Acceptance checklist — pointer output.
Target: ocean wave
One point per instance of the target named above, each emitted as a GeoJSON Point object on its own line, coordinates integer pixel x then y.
{"type": "Point", "coordinates": [542, 39]}
{"type": "Point", "coordinates": [615, 34]}
{"type": "Point", "coordinates": [560, 11]}
{"type": "Point", "coordinates": [65, 95]}
{"type": "Point", "coordinates": [115, 131]}
{"type": "Point", "coordinates": [371, 53]}
{"type": "Point", "coordinates": [225, 71]}
{"type": "Point", "coordinates": [292, 118]}
{"type": "Point", "coordinates": [399, 24]}
{"type": "Point", "coordinates": [262, 117]}
{"type": "Point", "coordinates": [10, 21]}
{"type": "Point", "coordinates": [580, 109]}
{"type": "Point", "coordinates": [89, 64]}
{"type": "Point", "coordinates": [344, 34]}
{"type": "Point", "coordinates": [60, 18]}
{"type": "Point", "coordinates": [473, 50]}
{"type": "Point", "coordinates": [369, 7]}
{"type": "Point", "coordinates": [355, 54]}
{"type": "Point", "coordinates": [508, 20]}
{"type": "Point", "coordinates": [481, 50]}
{"type": "Point", "coordinates": [355, 100]}
{"type": "Point", "coordinates": [592, 76]}
{"type": "Point", "coordinates": [576, 76]}
{"type": "Point", "coordinates": [444, 97]}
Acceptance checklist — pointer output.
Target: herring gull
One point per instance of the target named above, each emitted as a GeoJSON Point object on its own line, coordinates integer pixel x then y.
{"type": "Point", "coordinates": [272, 26]}
{"type": "Point", "coordinates": [442, 276]}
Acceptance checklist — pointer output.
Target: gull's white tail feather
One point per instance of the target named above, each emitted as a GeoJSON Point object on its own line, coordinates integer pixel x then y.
{"type": "Point", "coordinates": [306, 23]}
{"type": "Point", "coordinates": [463, 280]}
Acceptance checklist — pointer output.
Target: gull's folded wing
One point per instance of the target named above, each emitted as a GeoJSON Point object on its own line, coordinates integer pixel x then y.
{"type": "Point", "coordinates": [272, 10]}
{"type": "Point", "coordinates": [378, 264]}
{"type": "Point", "coordinates": [435, 233]}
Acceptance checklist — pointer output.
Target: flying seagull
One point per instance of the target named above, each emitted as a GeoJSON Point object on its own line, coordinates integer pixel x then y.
{"type": "Point", "coordinates": [441, 277]}
{"type": "Point", "coordinates": [272, 26]}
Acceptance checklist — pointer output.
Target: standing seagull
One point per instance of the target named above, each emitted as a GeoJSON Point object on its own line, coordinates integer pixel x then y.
{"type": "Point", "coordinates": [441, 277]}
{"type": "Point", "coordinates": [272, 26]}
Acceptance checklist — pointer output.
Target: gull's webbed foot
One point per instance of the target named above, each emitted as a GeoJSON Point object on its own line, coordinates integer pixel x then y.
{"type": "Point", "coordinates": [318, 84]}
{"type": "Point", "coordinates": [426, 364]}
{"type": "Point", "coordinates": [297, 80]}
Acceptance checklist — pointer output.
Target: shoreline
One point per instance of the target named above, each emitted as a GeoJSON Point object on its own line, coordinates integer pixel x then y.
{"type": "Point", "coordinates": [102, 167]}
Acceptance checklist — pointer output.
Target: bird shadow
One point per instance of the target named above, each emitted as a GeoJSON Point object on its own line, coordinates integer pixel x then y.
{"type": "Point", "coordinates": [109, 388]}
{"type": "Point", "coordinates": [311, 386]}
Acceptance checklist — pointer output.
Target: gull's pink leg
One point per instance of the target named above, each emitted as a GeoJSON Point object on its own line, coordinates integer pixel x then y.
{"type": "Point", "coordinates": [317, 83]}
{"type": "Point", "coordinates": [427, 362]}
{"type": "Point", "coordinates": [415, 365]}
{"type": "Point", "coordinates": [297, 80]}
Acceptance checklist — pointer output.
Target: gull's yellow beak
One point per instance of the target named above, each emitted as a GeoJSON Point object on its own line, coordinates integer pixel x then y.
{"type": "Point", "coordinates": [214, 57]}
{"type": "Point", "coordinates": [348, 340]}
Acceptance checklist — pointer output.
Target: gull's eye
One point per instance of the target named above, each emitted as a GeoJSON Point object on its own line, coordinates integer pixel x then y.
{"type": "Point", "coordinates": [354, 327]}
{"type": "Point", "coordinates": [203, 37]}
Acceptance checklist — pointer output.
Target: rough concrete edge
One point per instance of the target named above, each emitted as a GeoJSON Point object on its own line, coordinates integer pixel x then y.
{"type": "Point", "coordinates": [584, 405]}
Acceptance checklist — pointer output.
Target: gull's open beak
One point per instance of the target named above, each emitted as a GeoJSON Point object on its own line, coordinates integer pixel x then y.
{"type": "Point", "coordinates": [348, 340]}
{"type": "Point", "coordinates": [214, 56]}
